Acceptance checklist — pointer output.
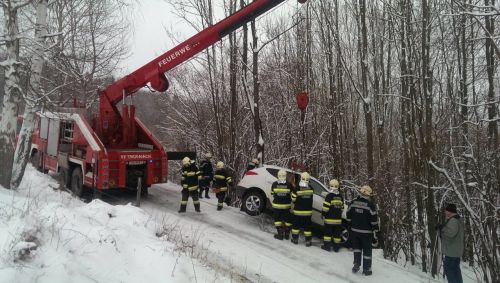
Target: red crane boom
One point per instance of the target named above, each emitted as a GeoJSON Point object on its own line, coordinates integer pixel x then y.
{"type": "Point", "coordinates": [118, 130]}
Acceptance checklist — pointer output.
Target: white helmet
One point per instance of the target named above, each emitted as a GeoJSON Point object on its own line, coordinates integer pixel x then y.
{"type": "Point", "coordinates": [366, 191]}
{"type": "Point", "coordinates": [282, 175]}
{"type": "Point", "coordinates": [305, 177]}
{"type": "Point", "coordinates": [334, 184]}
{"type": "Point", "coordinates": [186, 161]}
{"type": "Point", "coordinates": [255, 161]}
{"type": "Point", "coordinates": [220, 165]}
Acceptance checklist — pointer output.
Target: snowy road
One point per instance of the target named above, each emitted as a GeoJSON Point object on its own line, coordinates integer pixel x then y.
{"type": "Point", "coordinates": [246, 245]}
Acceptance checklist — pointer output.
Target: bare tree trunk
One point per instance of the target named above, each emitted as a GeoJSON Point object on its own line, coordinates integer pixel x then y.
{"type": "Point", "coordinates": [22, 153]}
{"type": "Point", "coordinates": [257, 123]}
{"type": "Point", "coordinates": [13, 92]}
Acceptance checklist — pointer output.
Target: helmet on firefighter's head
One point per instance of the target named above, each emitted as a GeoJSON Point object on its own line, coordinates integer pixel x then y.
{"type": "Point", "coordinates": [304, 177]}
{"type": "Point", "coordinates": [282, 175]}
{"type": "Point", "coordinates": [186, 161]}
{"type": "Point", "coordinates": [208, 155]}
{"type": "Point", "coordinates": [220, 165]}
{"type": "Point", "coordinates": [334, 184]}
{"type": "Point", "coordinates": [255, 161]}
{"type": "Point", "coordinates": [366, 191]}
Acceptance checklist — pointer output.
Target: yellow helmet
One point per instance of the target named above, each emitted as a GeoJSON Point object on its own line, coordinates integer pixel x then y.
{"type": "Point", "coordinates": [366, 191]}
{"type": "Point", "coordinates": [282, 174]}
{"type": "Point", "coordinates": [305, 177]}
{"type": "Point", "coordinates": [220, 165]}
{"type": "Point", "coordinates": [186, 161]}
{"type": "Point", "coordinates": [334, 184]}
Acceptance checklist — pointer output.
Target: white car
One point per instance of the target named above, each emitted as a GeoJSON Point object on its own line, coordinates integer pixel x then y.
{"type": "Point", "coordinates": [254, 190]}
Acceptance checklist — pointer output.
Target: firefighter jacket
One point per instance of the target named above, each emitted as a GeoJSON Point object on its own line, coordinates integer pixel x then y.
{"type": "Point", "coordinates": [303, 201]}
{"type": "Point", "coordinates": [332, 208]}
{"type": "Point", "coordinates": [207, 170]}
{"type": "Point", "coordinates": [189, 179]}
{"type": "Point", "coordinates": [281, 193]}
{"type": "Point", "coordinates": [362, 214]}
{"type": "Point", "coordinates": [222, 179]}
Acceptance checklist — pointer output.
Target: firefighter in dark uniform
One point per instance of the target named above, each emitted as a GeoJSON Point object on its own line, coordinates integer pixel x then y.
{"type": "Point", "coordinates": [302, 210]}
{"type": "Point", "coordinates": [332, 213]}
{"type": "Point", "coordinates": [189, 182]}
{"type": "Point", "coordinates": [221, 181]}
{"type": "Point", "coordinates": [363, 216]}
{"type": "Point", "coordinates": [207, 174]}
{"type": "Point", "coordinates": [282, 202]}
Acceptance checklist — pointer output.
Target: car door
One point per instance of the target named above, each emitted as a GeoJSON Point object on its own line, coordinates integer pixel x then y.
{"type": "Point", "coordinates": [318, 199]}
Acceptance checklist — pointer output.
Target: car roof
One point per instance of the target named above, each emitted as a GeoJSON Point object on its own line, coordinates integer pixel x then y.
{"type": "Point", "coordinates": [264, 166]}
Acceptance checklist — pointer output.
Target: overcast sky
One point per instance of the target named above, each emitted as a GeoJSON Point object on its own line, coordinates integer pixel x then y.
{"type": "Point", "coordinates": [148, 38]}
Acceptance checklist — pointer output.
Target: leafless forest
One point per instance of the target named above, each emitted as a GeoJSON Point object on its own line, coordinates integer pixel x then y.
{"type": "Point", "coordinates": [404, 96]}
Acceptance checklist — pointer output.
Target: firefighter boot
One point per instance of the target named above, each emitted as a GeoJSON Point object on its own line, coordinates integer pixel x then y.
{"type": "Point", "coordinates": [367, 272]}
{"type": "Point", "coordinates": [295, 239]}
{"type": "Point", "coordinates": [206, 193]}
{"type": "Point", "coordinates": [197, 207]}
{"type": "Point", "coordinates": [336, 248]}
{"type": "Point", "coordinates": [286, 233]}
{"type": "Point", "coordinates": [355, 268]}
{"type": "Point", "coordinates": [326, 246]}
{"type": "Point", "coordinates": [182, 209]}
{"type": "Point", "coordinates": [279, 236]}
{"type": "Point", "coordinates": [308, 241]}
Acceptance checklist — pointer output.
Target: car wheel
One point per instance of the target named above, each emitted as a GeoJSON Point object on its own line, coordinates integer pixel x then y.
{"type": "Point", "coordinates": [77, 182]}
{"type": "Point", "coordinates": [253, 203]}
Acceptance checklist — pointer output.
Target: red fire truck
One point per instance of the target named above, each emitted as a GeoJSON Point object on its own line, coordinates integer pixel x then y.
{"type": "Point", "coordinates": [115, 149]}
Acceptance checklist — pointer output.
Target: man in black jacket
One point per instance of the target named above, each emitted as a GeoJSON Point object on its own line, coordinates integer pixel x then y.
{"type": "Point", "coordinates": [282, 201]}
{"type": "Point", "coordinates": [332, 214]}
{"type": "Point", "coordinates": [189, 182]}
{"type": "Point", "coordinates": [222, 180]}
{"type": "Point", "coordinates": [207, 174]}
{"type": "Point", "coordinates": [362, 214]}
{"type": "Point", "coordinates": [302, 210]}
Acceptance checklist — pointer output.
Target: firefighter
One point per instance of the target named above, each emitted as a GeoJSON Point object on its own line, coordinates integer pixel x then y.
{"type": "Point", "coordinates": [332, 213]}
{"type": "Point", "coordinates": [189, 182]}
{"type": "Point", "coordinates": [362, 214]}
{"type": "Point", "coordinates": [207, 174]}
{"type": "Point", "coordinates": [221, 182]}
{"type": "Point", "coordinates": [252, 164]}
{"type": "Point", "coordinates": [282, 202]}
{"type": "Point", "coordinates": [302, 210]}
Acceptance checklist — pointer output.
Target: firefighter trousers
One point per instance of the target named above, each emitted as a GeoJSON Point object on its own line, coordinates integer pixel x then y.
{"type": "Point", "coordinates": [282, 221]}
{"type": "Point", "coordinates": [220, 199]}
{"type": "Point", "coordinates": [362, 245]}
{"type": "Point", "coordinates": [302, 222]}
{"type": "Point", "coordinates": [185, 196]}
{"type": "Point", "coordinates": [332, 233]}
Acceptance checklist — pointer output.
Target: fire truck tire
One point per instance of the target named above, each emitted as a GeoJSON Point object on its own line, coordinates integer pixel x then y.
{"type": "Point", "coordinates": [145, 191]}
{"type": "Point", "coordinates": [77, 182]}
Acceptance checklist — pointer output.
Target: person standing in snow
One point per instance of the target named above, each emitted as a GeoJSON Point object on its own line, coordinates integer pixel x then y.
{"type": "Point", "coordinates": [452, 242]}
{"type": "Point", "coordinates": [189, 182]}
{"type": "Point", "coordinates": [363, 216]}
{"type": "Point", "coordinates": [282, 202]}
{"type": "Point", "coordinates": [222, 180]}
{"type": "Point", "coordinates": [207, 174]}
{"type": "Point", "coordinates": [302, 210]}
{"type": "Point", "coordinates": [332, 213]}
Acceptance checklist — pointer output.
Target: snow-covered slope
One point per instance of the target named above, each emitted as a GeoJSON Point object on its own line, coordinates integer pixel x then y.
{"type": "Point", "coordinates": [117, 242]}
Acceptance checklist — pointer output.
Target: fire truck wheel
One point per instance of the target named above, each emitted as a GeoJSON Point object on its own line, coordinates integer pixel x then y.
{"type": "Point", "coordinates": [77, 182]}
{"type": "Point", "coordinates": [35, 160]}
{"type": "Point", "coordinates": [145, 191]}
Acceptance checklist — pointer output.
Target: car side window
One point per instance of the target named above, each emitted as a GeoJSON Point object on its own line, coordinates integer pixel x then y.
{"type": "Point", "coordinates": [273, 172]}
{"type": "Point", "coordinates": [317, 188]}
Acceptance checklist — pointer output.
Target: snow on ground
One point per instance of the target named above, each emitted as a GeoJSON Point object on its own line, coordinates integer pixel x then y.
{"type": "Point", "coordinates": [114, 241]}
